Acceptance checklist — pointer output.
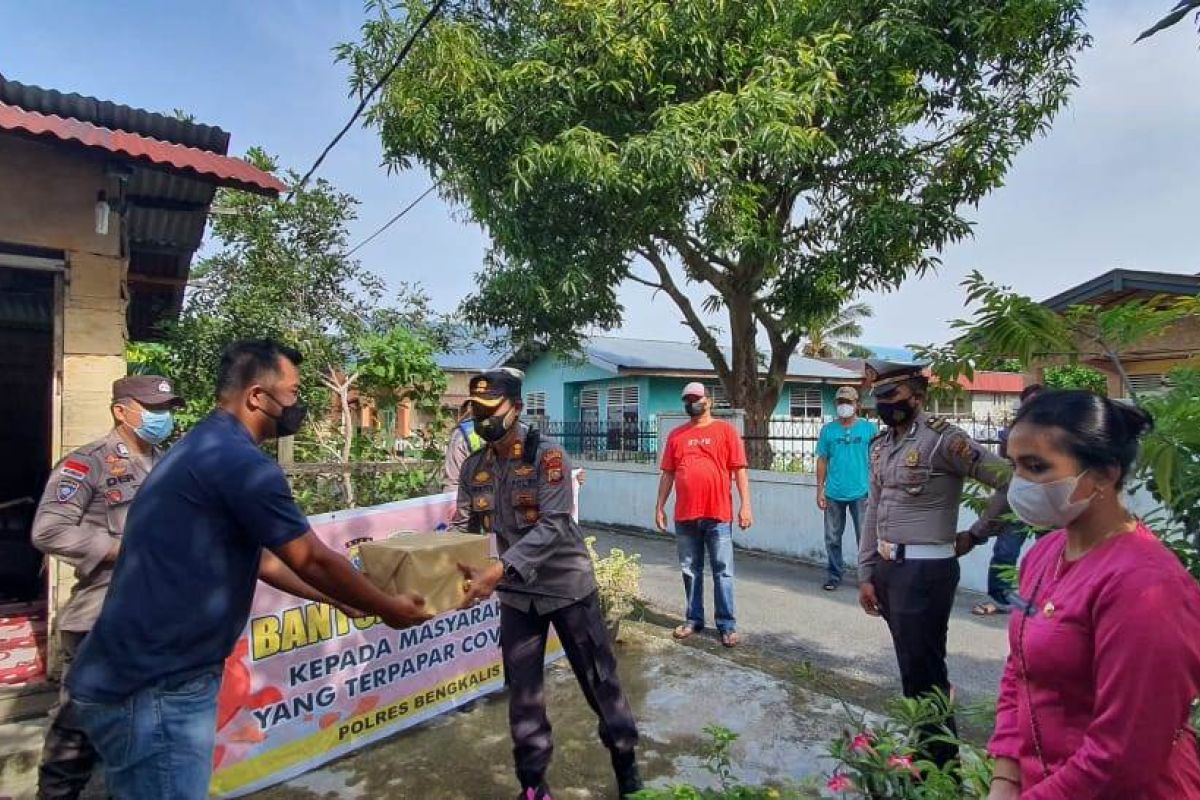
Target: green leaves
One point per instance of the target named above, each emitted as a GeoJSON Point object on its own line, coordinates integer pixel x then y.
{"type": "Point", "coordinates": [789, 155]}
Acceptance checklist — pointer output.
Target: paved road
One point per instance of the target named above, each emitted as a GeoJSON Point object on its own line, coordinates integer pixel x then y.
{"type": "Point", "coordinates": [782, 607]}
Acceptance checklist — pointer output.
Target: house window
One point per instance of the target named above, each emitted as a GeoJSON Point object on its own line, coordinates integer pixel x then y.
{"type": "Point", "coordinates": [622, 404]}
{"type": "Point", "coordinates": [720, 398]}
{"type": "Point", "coordinates": [957, 406]}
{"type": "Point", "coordinates": [1150, 383]}
{"type": "Point", "coordinates": [806, 403]}
{"type": "Point", "coordinates": [623, 417]}
{"type": "Point", "coordinates": [535, 408]}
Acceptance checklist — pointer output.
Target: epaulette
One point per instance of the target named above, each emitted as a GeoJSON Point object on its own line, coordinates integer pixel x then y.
{"type": "Point", "coordinates": [939, 424]}
{"type": "Point", "coordinates": [533, 438]}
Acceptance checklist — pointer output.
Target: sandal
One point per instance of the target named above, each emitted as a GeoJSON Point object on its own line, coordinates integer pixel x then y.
{"type": "Point", "coordinates": [989, 609]}
{"type": "Point", "coordinates": [730, 639]}
{"type": "Point", "coordinates": [684, 631]}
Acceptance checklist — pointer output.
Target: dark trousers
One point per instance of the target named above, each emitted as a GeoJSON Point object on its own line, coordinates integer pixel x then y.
{"type": "Point", "coordinates": [67, 756]}
{"type": "Point", "coordinates": [589, 650]}
{"type": "Point", "coordinates": [915, 597]}
{"type": "Point", "coordinates": [1005, 552]}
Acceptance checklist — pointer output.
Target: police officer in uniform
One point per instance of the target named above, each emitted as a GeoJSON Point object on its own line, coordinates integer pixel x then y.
{"type": "Point", "coordinates": [519, 487]}
{"type": "Point", "coordinates": [907, 563]}
{"type": "Point", "coordinates": [80, 521]}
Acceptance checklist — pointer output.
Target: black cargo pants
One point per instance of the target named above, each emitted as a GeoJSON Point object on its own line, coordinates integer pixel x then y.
{"type": "Point", "coordinates": [589, 650]}
{"type": "Point", "coordinates": [916, 597]}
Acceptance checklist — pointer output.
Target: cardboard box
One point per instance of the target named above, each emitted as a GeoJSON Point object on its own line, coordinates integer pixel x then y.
{"type": "Point", "coordinates": [425, 563]}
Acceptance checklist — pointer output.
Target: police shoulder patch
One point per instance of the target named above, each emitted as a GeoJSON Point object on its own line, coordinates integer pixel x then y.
{"type": "Point", "coordinates": [552, 465]}
{"type": "Point", "coordinates": [961, 448]}
{"type": "Point", "coordinates": [66, 490]}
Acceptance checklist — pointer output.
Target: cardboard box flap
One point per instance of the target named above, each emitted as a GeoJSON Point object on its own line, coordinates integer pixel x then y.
{"type": "Point", "coordinates": [425, 563]}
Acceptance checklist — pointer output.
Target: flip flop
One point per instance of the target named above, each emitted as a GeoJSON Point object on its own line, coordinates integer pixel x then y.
{"type": "Point", "coordinates": [683, 631]}
{"type": "Point", "coordinates": [989, 610]}
{"type": "Point", "coordinates": [730, 639]}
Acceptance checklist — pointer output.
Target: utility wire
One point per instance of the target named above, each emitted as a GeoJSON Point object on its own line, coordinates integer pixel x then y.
{"type": "Point", "coordinates": [366, 98]}
{"type": "Point", "coordinates": [520, 112]}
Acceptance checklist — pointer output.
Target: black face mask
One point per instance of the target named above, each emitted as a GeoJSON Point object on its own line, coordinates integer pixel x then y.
{"type": "Point", "coordinates": [894, 414]}
{"type": "Point", "coordinates": [694, 408]}
{"type": "Point", "coordinates": [492, 429]}
{"type": "Point", "coordinates": [290, 418]}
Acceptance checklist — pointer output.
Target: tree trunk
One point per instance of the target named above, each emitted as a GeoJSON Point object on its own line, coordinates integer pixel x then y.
{"type": "Point", "coordinates": [347, 443]}
{"type": "Point", "coordinates": [755, 396]}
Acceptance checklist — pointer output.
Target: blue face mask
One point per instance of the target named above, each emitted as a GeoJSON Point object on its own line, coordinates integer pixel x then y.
{"type": "Point", "coordinates": [156, 426]}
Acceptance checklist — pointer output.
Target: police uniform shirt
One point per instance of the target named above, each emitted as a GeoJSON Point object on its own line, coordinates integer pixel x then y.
{"type": "Point", "coordinates": [82, 513]}
{"type": "Point", "coordinates": [527, 503]}
{"type": "Point", "coordinates": [916, 487]}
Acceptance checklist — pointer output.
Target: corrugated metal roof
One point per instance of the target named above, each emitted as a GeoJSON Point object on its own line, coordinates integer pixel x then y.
{"type": "Point", "coordinates": [476, 357]}
{"type": "Point", "coordinates": [177, 166]}
{"type": "Point", "coordinates": [205, 165]}
{"type": "Point", "coordinates": [114, 116]}
{"type": "Point", "coordinates": [648, 355]}
{"type": "Point", "coordinates": [996, 382]}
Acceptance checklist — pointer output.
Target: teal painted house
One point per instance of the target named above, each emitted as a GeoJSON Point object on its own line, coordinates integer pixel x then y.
{"type": "Point", "coordinates": [618, 380]}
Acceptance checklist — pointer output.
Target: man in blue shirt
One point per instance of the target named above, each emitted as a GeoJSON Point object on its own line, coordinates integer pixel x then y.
{"type": "Point", "coordinates": [842, 476]}
{"type": "Point", "coordinates": [215, 515]}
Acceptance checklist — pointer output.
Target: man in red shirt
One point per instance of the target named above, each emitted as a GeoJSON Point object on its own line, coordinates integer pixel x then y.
{"type": "Point", "coordinates": [701, 460]}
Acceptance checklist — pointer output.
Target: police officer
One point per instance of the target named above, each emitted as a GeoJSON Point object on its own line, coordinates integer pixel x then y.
{"type": "Point", "coordinates": [80, 521]}
{"type": "Point", "coordinates": [519, 487]}
{"type": "Point", "coordinates": [907, 563]}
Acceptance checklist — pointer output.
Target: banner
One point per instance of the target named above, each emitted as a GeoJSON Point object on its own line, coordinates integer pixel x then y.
{"type": "Point", "coordinates": [306, 684]}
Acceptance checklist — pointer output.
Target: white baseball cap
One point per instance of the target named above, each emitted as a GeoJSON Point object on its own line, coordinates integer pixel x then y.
{"type": "Point", "coordinates": [694, 389]}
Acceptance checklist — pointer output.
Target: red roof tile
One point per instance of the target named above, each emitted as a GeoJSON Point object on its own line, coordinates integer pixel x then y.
{"type": "Point", "coordinates": [221, 170]}
{"type": "Point", "coordinates": [997, 382]}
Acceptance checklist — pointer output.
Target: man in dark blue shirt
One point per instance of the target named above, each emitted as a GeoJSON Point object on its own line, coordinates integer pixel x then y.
{"type": "Point", "coordinates": [202, 530]}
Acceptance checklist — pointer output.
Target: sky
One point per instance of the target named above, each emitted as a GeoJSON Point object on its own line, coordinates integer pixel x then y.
{"type": "Point", "coordinates": [1115, 183]}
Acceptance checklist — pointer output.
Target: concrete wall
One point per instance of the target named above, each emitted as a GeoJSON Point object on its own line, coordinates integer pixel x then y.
{"type": "Point", "coordinates": [787, 521]}
{"type": "Point", "coordinates": [49, 201]}
{"type": "Point", "coordinates": [52, 205]}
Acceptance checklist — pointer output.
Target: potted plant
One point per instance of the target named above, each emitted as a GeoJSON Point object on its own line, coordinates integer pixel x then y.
{"type": "Point", "coordinates": [618, 577]}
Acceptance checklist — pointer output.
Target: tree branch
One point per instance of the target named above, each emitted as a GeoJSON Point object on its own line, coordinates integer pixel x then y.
{"type": "Point", "coordinates": [698, 262]}
{"type": "Point", "coordinates": [708, 343]}
{"type": "Point", "coordinates": [651, 284]}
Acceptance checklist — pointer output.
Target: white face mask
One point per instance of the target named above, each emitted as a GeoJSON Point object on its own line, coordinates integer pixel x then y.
{"type": "Point", "coordinates": [845, 410]}
{"type": "Point", "coordinates": [1047, 505]}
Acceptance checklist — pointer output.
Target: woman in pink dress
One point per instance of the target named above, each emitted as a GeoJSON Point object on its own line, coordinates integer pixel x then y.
{"type": "Point", "coordinates": [1104, 660]}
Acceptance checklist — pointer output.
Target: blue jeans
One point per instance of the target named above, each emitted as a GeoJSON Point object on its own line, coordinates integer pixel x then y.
{"type": "Point", "coordinates": [835, 526]}
{"type": "Point", "coordinates": [693, 538]}
{"type": "Point", "coordinates": [1005, 552]}
{"type": "Point", "coordinates": [158, 742]}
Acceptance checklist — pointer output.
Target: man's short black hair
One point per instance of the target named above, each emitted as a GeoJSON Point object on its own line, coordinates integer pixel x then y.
{"type": "Point", "coordinates": [1030, 390]}
{"type": "Point", "coordinates": [244, 363]}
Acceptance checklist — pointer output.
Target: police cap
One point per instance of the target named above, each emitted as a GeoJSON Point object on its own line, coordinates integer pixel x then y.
{"type": "Point", "coordinates": [490, 389]}
{"type": "Point", "coordinates": [149, 390]}
{"type": "Point", "coordinates": [887, 376]}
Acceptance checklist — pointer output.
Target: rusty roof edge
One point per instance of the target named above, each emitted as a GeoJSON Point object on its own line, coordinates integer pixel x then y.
{"type": "Point", "coordinates": [262, 183]}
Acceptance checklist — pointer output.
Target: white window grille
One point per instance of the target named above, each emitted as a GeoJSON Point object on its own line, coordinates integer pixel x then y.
{"type": "Point", "coordinates": [535, 404]}
{"type": "Point", "coordinates": [720, 398]}
{"type": "Point", "coordinates": [806, 403]}
{"type": "Point", "coordinates": [589, 398]}
{"type": "Point", "coordinates": [623, 404]}
{"type": "Point", "coordinates": [1150, 383]}
{"type": "Point", "coordinates": [957, 406]}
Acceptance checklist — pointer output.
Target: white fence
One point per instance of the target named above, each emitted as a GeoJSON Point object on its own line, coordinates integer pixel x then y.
{"type": "Point", "coordinates": [787, 521]}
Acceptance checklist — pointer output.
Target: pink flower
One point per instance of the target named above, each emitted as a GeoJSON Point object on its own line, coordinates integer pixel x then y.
{"type": "Point", "coordinates": [861, 743]}
{"type": "Point", "coordinates": [840, 783]}
{"type": "Point", "coordinates": [903, 762]}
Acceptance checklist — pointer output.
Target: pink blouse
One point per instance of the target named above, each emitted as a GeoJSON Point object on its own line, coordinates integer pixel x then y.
{"type": "Point", "coordinates": [1112, 645]}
